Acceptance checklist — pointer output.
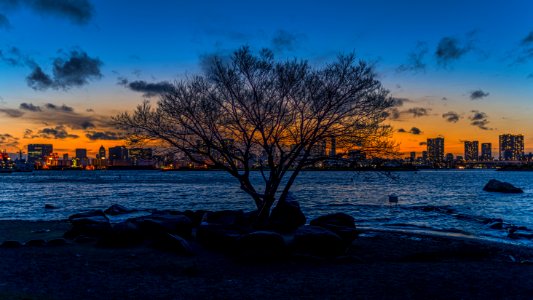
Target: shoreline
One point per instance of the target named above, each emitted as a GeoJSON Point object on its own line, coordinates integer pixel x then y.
{"type": "Point", "coordinates": [378, 264]}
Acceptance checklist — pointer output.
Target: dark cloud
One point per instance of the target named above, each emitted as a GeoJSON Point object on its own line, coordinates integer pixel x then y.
{"type": "Point", "coordinates": [4, 22]}
{"type": "Point", "coordinates": [285, 41]}
{"type": "Point", "coordinates": [38, 80]}
{"type": "Point", "coordinates": [29, 107]}
{"type": "Point", "coordinates": [478, 94]}
{"type": "Point", "coordinates": [89, 110]}
{"type": "Point", "coordinates": [104, 135]}
{"type": "Point", "coordinates": [13, 113]}
{"type": "Point", "coordinates": [7, 140]}
{"type": "Point", "coordinates": [62, 108]}
{"type": "Point", "coordinates": [479, 119]}
{"type": "Point", "coordinates": [451, 117]}
{"type": "Point", "coordinates": [14, 57]}
{"type": "Point", "coordinates": [148, 89]}
{"type": "Point", "coordinates": [415, 59]}
{"type": "Point", "coordinates": [451, 49]}
{"type": "Point", "coordinates": [528, 39]}
{"type": "Point", "coordinates": [401, 130]}
{"type": "Point", "coordinates": [397, 102]}
{"type": "Point", "coordinates": [418, 111]}
{"type": "Point", "coordinates": [415, 130]}
{"type": "Point", "coordinates": [74, 71]}
{"type": "Point", "coordinates": [58, 132]}
{"type": "Point", "coordinates": [77, 11]}
{"type": "Point", "coordinates": [443, 98]}
{"type": "Point", "coordinates": [422, 143]}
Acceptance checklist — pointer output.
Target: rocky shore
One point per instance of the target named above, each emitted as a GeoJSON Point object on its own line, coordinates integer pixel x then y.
{"type": "Point", "coordinates": [216, 255]}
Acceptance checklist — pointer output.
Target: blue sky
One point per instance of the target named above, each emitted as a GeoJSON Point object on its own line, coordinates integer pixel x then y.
{"type": "Point", "coordinates": [433, 54]}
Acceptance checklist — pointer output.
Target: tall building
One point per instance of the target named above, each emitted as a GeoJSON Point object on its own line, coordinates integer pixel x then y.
{"type": "Point", "coordinates": [333, 148]}
{"type": "Point", "coordinates": [471, 150]}
{"type": "Point", "coordinates": [39, 152]}
{"type": "Point", "coordinates": [118, 153]}
{"type": "Point", "coordinates": [435, 148]}
{"type": "Point", "coordinates": [511, 146]}
{"type": "Point", "coordinates": [101, 153]}
{"type": "Point", "coordinates": [486, 151]}
{"type": "Point", "coordinates": [81, 153]}
{"type": "Point", "coordinates": [412, 156]}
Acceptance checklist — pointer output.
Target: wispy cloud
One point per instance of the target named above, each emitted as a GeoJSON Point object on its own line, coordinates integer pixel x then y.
{"type": "Point", "coordinates": [149, 89]}
{"type": "Point", "coordinates": [57, 132]}
{"type": "Point", "coordinates": [283, 41]}
{"type": "Point", "coordinates": [415, 60]}
{"type": "Point", "coordinates": [104, 135]}
{"type": "Point", "coordinates": [451, 49]}
{"type": "Point", "coordinates": [77, 11]}
{"type": "Point", "coordinates": [479, 119]}
{"type": "Point", "coordinates": [451, 117]}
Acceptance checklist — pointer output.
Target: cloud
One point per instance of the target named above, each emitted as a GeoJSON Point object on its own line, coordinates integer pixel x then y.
{"type": "Point", "coordinates": [451, 49]}
{"type": "Point", "coordinates": [285, 41]}
{"type": "Point", "coordinates": [58, 132]}
{"type": "Point", "coordinates": [74, 71]}
{"type": "Point", "coordinates": [104, 135]}
{"type": "Point", "coordinates": [444, 98]}
{"type": "Point", "coordinates": [7, 140]}
{"type": "Point", "coordinates": [478, 94]}
{"type": "Point", "coordinates": [451, 117]}
{"type": "Point", "coordinates": [29, 107]}
{"type": "Point", "coordinates": [528, 39]}
{"type": "Point", "coordinates": [415, 59]}
{"type": "Point", "coordinates": [479, 119]}
{"type": "Point", "coordinates": [418, 111]}
{"type": "Point", "coordinates": [4, 22]}
{"type": "Point", "coordinates": [13, 113]}
{"type": "Point", "coordinates": [148, 89]}
{"type": "Point", "coordinates": [401, 130]}
{"type": "Point", "coordinates": [415, 130]}
{"type": "Point", "coordinates": [77, 11]}
{"type": "Point", "coordinates": [422, 143]}
{"type": "Point", "coordinates": [397, 102]}
{"type": "Point", "coordinates": [62, 108]}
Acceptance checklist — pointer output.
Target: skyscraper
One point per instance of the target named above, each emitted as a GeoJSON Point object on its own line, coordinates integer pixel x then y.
{"type": "Point", "coordinates": [486, 151]}
{"type": "Point", "coordinates": [118, 153]}
{"type": "Point", "coordinates": [511, 146]}
{"type": "Point", "coordinates": [39, 151]}
{"type": "Point", "coordinates": [81, 153]}
{"type": "Point", "coordinates": [101, 153]}
{"type": "Point", "coordinates": [471, 150]}
{"type": "Point", "coordinates": [435, 148]}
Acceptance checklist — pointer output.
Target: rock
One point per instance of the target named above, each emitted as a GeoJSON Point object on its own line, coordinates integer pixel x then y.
{"type": "Point", "coordinates": [83, 239]}
{"type": "Point", "coordinates": [57, 242]}
{"type": "Point", "coordinates": [160, 224]}
{"type": "Point", "coordinates": [501, 187]}
{"type": "Point", "coordinates": [195, 216]}
{"type": "Point", "coordinates": [97, 225]}
{"type": "Point", "coordinates": [314, 240]}
{"type": "Point", "coordinates": [11, 244]}
{"type": "Point", "coordinates": [123, 234]}
{"type": "Point", "coordinates": [217, 237]}
{"type": "Point", "coordinates": [286, 216]}
{"type": "Point", "coordinates": [117, 209]}
{"type": "Point", "coordinates": [173, 243]}
{"type": "Point", "coordinates": [340, 223]}
{"type": "Point", "coordinates": [92, 213]}
{"type": "Point", "coordinates": [224, 218]}
{"type": "Point", "coordinates": [35, 243]}
{"type": "Point", "coordinates": [496, 225]}
{"type": "Point", "coordinates": [262, 245]}
{"type": "Point", "coordinates": [50, 206]}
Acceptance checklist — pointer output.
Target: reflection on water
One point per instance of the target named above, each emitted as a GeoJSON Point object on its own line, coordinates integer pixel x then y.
{"type": "Point", "coordinates": [444, 200]}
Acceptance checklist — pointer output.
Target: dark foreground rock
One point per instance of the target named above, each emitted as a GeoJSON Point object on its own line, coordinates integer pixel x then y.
{"type": "Point", "coordinates": [501, 187]}
{"type": "Point", "coordinates": [117, 209]}
{"type": "Point", "coordinates": [340, 223]}
{"type": "Point", "coordinates": [286, 216]}
{"type": "Point", "coordinates": [317, 241]}
{"type": "Point", "coordinates": [262, 245]}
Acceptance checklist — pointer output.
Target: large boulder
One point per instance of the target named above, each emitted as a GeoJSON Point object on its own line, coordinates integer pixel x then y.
{"type": "Point", "coordinates": [340, 223]}
{"type": "Point", "coordinates": [91, 213]}
{"type": "Point", "coordinates": [286, 216]}
{"type": "Point", "coordinates": [218, 237]}
{"type": "Point", "coordinates": [225, 218]}
{"type": "Point", "coordinates": [317, 241]}
{"type": "Point", "coordinates": [117, 209]}
{"type": "Point", "coordinates": [96, 225]}
{"type": "Point", "coordinates": [262, 245]}
{"type": "Point", "coordinates": [123, 234]}
{"type": "Point", "coordinates": [501, 187]}
{"type": "Point", "coordinates": [173, 243]}
{"type": "Point", "coordinates": [155, 225]}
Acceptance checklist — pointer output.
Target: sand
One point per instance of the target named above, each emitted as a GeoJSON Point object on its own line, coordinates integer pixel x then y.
{"type": "Point", "coordinates": [378, 265]}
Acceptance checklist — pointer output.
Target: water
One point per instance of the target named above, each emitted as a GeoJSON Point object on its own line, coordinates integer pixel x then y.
{"type": "Point", "coordinates": [447, 200]}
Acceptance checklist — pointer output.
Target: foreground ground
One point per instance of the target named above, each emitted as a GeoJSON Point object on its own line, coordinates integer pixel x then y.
{"type": "Point", "coordinates": [379, 265]}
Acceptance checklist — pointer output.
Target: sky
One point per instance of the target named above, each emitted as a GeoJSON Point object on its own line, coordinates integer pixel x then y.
{"type": "Point", "coordinates": [459, 69]}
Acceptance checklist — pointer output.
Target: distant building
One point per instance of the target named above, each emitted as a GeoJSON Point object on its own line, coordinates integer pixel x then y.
{"type": "Point", "coordinates": [333, 148]}
{"type": "Point", "coordinates": [424, 156]}
{"type": "Point", "coordinates": [471, 150]}
{"type": "Point", "coordinates": [39, 152]}
{"type": "Point", "coordinates": [511, 147]}
{"type": "Point", "coordinates": [412, 156]}
{"type": "Point", "coordinates": [449, 157]}
{"type": "Point", "coordinates": [101, 153]}
{"type": "Point", "coordinates": [118, 153]}
{"type": "Point", "coordinates": [81, 153]}
{"type": "Point", "coordinates": [435, 148]}
{"type": "Point", "coordinates": [486, 151]}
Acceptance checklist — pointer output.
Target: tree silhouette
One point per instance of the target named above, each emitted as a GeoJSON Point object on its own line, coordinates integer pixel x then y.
{"type": "Point", "coordinates": [252, 112]}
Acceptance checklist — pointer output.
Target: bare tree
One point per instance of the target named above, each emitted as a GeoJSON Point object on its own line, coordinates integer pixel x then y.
{"type": "Point", "coordinates": [253, 112]}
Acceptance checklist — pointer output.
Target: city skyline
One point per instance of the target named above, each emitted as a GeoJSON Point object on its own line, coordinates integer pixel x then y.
{"type": "Point", "coordinates": [64, 71]}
